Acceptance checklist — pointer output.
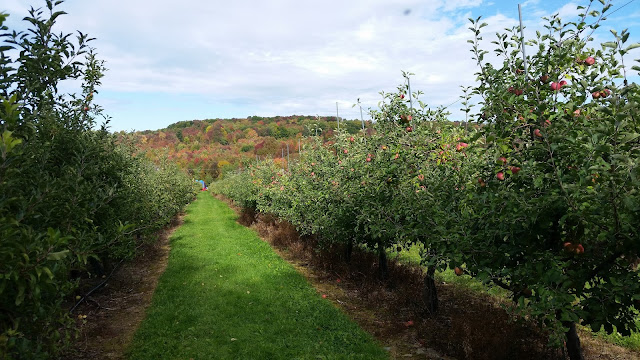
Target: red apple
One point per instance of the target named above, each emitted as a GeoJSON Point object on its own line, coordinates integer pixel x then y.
{"type": "Point", "coordinates": [461, 146]}
{"type": "Point", "coordinates": [500, 176]}
{"type": "Point", "coordinates": [458, 271]}
{"type": "Point", "coordinates": [409, 129]}
{"type": "Point", "coordinates": [346, 151]}
{"type": "Point", "coordinates": [368, 159]}
{"type": "Point", "coordinates": [324, 296]}
{"type": "Point", "coordinates": [481, 182]}
{"type": "Point", "coordinates": [86, 108]}
{"type": "Point", "coordinates": [401, 96]}
{"type": "Point", "coordinates": [595, 94]}
{"type": "Point", "coordinates": [537, 133]}
{"type": "Point", "coordinates": [562, 83]}
{"type": "Point", "coordinates": [503, 159]}
{"type": "Point", "coordinates": [579, 249]}
{"type": "Point", "coordinates": [544, 79]}
{"type": "Point", "coordinates": [589, 61]}
{"type": "Point", "coordinates": [515, 170]}
{"type": "Point", "coordinates": [555, 86]}
{"type": "Point", "coordinates": [518, 92]}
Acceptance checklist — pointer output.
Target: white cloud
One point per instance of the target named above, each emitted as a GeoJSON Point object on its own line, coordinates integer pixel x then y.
{"type": "Point", "coordinates": [285, 56]}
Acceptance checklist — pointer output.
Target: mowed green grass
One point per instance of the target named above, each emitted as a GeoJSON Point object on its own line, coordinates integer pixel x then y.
{"type": "Point", "coordinates": [226, 295]}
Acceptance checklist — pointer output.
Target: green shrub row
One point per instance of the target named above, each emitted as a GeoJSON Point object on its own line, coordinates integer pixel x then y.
{"type": "Point", "coordinates": [73, 199]}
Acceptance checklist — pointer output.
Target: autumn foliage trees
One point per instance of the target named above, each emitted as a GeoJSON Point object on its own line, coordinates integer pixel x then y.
{"type": "Point", "coordinates": [201, 146]}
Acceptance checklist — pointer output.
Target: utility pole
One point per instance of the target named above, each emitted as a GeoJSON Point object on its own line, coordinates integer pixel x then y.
{"type": "Point", "coordinates": [524, 55]}
{"type": "Point", "coordinates": [337, 116]}
{"type": "Point", "coordinates": [361, 118]}
{"type": "Point", "coordinates": [410, 97]}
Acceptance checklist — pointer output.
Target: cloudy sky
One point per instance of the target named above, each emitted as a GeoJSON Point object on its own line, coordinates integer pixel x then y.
{"type": "Point", "coordinates": [173, 60]}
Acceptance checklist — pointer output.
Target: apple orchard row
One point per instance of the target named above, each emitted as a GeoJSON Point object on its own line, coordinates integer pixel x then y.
{"type": "Point", "coordinates": [537, 193]}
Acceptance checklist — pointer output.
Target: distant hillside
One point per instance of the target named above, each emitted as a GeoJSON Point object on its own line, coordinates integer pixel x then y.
{"type": "Point", "coordinates": [208, 147]}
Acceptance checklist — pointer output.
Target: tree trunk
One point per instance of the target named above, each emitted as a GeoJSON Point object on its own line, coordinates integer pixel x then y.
{"type": "Point", "coordinates": [383, 267]}
{"type": "Point", "coordinates": [430, 293]}
{"type": "Point", "coordinates": [573, 342]}
{"type": "Point", "coordinates": [348, 251]}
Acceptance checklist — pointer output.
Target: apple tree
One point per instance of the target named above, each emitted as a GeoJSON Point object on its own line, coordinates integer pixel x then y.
{"type": "Point", "coordinates": [554, 219]}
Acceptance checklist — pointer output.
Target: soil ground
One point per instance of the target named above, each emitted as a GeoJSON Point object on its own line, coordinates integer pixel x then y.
{"type": "Point", "coordinates": [468, 325]}
{"type": "Point", "coordinates": [114, 312]}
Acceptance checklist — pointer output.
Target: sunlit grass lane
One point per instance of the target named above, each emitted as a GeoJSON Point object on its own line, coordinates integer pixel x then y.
{"type": "Point", "coordinates": [227, 295]}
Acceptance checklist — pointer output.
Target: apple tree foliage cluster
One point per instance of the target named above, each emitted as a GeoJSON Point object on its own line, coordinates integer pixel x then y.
{"type": "Point", "coordinates": [538, 194]}
{"type": "Point", "coordinates": [72, 198]}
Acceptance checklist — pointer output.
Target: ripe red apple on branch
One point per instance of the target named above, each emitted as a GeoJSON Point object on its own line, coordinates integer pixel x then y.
{"type": "Point", "coordinates": [405, 118]}
{"type": "Point", "coordinates": [589, 61]}
{"type": "Point", "coordinates": [500, 176]}
{"type": "Point", "coordinates": [458, 271]}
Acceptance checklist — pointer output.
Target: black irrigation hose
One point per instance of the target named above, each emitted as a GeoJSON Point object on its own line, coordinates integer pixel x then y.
{"type": "Point", "coordinates": [96, 288]}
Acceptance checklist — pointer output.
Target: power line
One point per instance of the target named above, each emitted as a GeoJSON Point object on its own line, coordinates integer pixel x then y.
{"type": "Point", "coordinates": [611, 13]}
{"type": "Point", "coordinates": [453, 103]}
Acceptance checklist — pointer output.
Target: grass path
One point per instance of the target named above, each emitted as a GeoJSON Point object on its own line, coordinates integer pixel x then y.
{"type": "Point", "coordinates": [227, 295]}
